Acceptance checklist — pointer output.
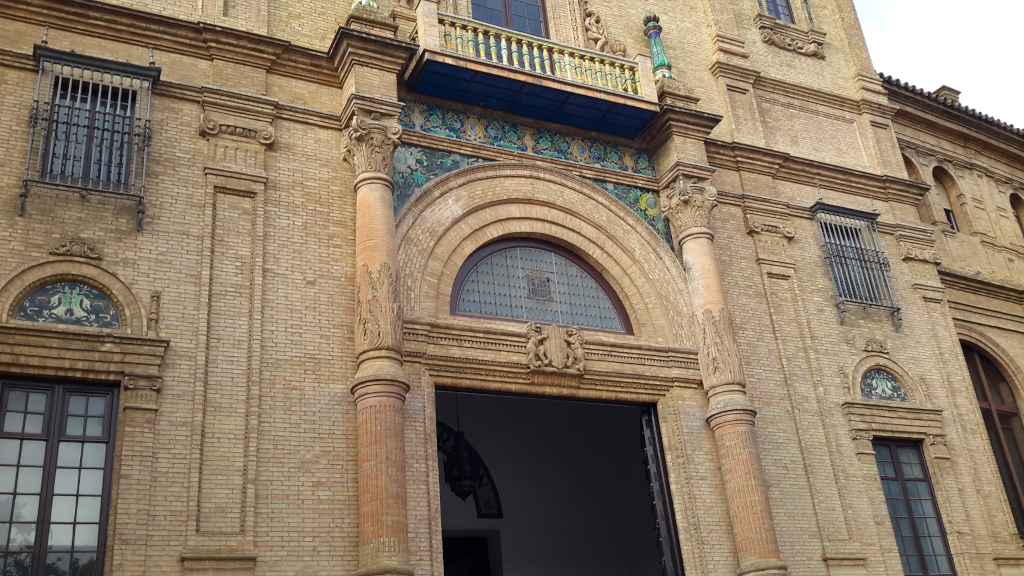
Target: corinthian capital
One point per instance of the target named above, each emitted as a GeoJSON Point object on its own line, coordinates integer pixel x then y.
{"type": "Point", "coordinates": [370, 143]}
{"type": "Point", "coordinates": [689, 205]}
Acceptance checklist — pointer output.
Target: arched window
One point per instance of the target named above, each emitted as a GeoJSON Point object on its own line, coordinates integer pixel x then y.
{"type": "Point", "coordinates": [69, 302]}
{"type": "Point", "coordinates": [947, 189]}
{"type": "Point", "coordinates": [519, 15]}
{"type": "Point", "coordinates": [1003, 423]}
{"type": "Point", "coordinates": [532, 281]}
{"type": "Point", "coordinates": [1017, 204]}
{"type": "Point", "coordinates": [780, 9]}
{"type": "Point", "coordinates": [912, 172]}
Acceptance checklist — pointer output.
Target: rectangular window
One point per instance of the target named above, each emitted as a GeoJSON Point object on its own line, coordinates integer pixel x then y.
{"type": "Point", "coordinates": [780, 9]}
{"type": "Point", "coordinates": [920, 536]}
{"type": "Point", "coordinates": [56, 450]}
{"type": "Point", "coordinates": [857, 263]}
{"type": "Point", "coordinates": [89, 126]}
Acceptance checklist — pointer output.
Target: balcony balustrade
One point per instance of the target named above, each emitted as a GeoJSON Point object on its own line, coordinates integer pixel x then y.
{"type": "Point", "coordinates": [484, 65]}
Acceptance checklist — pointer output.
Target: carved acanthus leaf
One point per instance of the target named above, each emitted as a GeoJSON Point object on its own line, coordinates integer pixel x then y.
{"type": "Point", "coordinates": [370, 143]}
{"type": "Point", "coordinates": [379, 317]}
{"type": "Point", "coordinates": [211, 127]}
{"type": "Point", "coordinates": [689, 205]}
{"type": "Point", "coordinates": [78, 247]}
{"type": "Point", "coordinates": [718, 354]}
{"type": "Point", "coordinates": [552, 347]}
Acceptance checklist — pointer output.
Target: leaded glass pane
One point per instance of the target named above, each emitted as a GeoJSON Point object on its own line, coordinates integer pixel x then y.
{"type": "Point", "coordinates": [71, 303]}
{"type": "Point", "coordinates": [533, 284]}
{"type": "Point", "coordinates": [881, 385]}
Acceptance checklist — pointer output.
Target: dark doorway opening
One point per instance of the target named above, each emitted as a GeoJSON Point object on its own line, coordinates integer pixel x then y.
{"type": "Point", "coordinates": [580, 488]}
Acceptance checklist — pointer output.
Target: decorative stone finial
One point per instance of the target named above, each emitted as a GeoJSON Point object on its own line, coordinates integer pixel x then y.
{"type": "Point", "coordinates": [689, 205]}
{"type": "Point", "coordinates": [652, 28]}
{"type": "Point", "coordinates": [370, 143]}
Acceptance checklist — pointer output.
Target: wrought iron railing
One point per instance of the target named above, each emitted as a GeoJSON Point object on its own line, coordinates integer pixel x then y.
{"type": "Point", "coordinates": [519, 51]}
{"type": "Point", "coordinates": [856, 259]}
{"type": "Point", "coordinates": [89, 127]}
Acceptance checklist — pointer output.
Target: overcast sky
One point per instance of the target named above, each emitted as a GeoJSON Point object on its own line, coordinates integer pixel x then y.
{"type": "Point", "coordinates": [976, 47]}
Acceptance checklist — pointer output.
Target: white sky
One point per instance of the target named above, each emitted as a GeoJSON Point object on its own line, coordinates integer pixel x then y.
{"type": "Point", "coordinates": [976, 47]}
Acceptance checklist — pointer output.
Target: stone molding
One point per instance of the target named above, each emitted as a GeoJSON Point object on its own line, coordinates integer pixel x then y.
{"type": "Point", "coordinates": [370, 143]}
{"type": "Point", "coordinates": [77, 247]}
{"type": "Point", "coordinates": [688, 205]}
{"type": "Point", "coordinates": [788, 37]}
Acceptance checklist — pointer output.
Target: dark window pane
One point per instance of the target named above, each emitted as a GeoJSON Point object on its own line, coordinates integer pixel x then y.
{"type": "Point", "coordinates": [76, 405]}
{"type": "Point", "coordinates": [17, 400]}
{"type": "Point", "coordinates": [93, 455]}
{"type": "Point", "coordinates": [37, 402]}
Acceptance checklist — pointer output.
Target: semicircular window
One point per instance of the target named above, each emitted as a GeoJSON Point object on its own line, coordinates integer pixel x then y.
{"type": "Point", "coordinates": [533, 281]}
{"type": "Point", "coordinates": [71, 303]}
{"type": "Point", "coordinates": [878, 384]}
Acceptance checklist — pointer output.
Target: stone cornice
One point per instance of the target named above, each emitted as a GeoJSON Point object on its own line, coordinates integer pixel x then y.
{"type": "Point", "coordinates": [78, 353]}
{"type": "Point", "coordinates": [782, 166]}
{"type": "Point", "coordinates": [982, 284]}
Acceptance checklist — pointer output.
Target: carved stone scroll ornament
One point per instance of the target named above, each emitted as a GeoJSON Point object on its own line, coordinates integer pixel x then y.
{"type": "Point", "coordinates": [877, 346]}
{"type": "Point", "coordinates": [551, 347]}
{"type": "Point", "coordinates": [782, 40]}
{"type": "Point", "coordinates": [210, 127]}
{"type": "Point", "coordinates": [909, 252]}
{"type": "Point", "coordinates": [718, 354]}
{"type": "Point", "coordinates": [379, 314]}
{"type": "Point", "coordinates": [142, 391]}
{"type": "Point", "coordinates": [755, 226]}
{"type": "Point", "coordinates": [370, 143]}
{"type": "Point", "coordinates": [78, 247]}
{"type": "Point", "coordinates": [689, 205]}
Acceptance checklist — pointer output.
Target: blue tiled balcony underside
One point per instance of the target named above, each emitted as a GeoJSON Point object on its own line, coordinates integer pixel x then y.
{"type": "Point", "coordinates": [496, 92]}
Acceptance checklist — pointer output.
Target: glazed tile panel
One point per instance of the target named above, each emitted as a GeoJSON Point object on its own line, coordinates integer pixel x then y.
{"type": "Point", "coordinates": [515, 137]}
{"type": "Point", "coordinates": [415, 167]}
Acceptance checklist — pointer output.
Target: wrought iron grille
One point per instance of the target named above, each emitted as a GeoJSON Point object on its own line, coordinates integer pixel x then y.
{"type": "Point", "coordinates": [89, 128]}
{"type": "Point", "coordinates": [856, 259]}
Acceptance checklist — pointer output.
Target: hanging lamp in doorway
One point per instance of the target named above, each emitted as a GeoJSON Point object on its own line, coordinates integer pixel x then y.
{"type": "Point", "coordinates": [462, 467]}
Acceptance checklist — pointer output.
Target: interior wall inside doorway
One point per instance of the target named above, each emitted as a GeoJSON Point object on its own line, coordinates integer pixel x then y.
{"type": "Point", "coordinates": [571, 479]}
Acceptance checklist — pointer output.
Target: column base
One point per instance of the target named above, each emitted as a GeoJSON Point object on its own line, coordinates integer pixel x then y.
{"type": "Point", "coordinates": [763, 568]}
{"type": "Point", "coordinates": [385, 571]}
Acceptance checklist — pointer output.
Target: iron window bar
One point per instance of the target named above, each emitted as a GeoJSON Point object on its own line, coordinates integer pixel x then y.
{"type": "Point", "coordinates": [89, 127]}
{"type": "Point", "coordinates": [856, 260]}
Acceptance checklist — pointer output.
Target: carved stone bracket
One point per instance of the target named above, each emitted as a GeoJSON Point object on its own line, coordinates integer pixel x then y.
{"type": "Point", "coordinates": [209, 126]}
{"type": "Point", "coordinates": [940, 446]}
{"type": "Point", "coordinates": [910, 252]}
{"type": "Point", "coordinates": [142, 392]}
{"type": "Point", "coordinates": [688, 205]}
{"type": "Point", "coordinates": [78, 247]}
{"type": "Point", "coordinates": [552, 347]}
{"type": "Point", "coordinates": [370, 143]}
{"type": "Point", "coordinates": [862, 441]}
{"type": "Point", "coordinates": [771, 238]}
{"type": "Point", "coordinates": [789, 37]}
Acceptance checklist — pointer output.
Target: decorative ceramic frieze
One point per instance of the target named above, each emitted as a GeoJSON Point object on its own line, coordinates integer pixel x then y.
{"type": "Point", "coordinates": [78, 247]}
{"type": "Point", "coordinates": [878, 384]}
{"type": "Point", "coordinates": [515, 137]}
{"type": "Point", "coordinates": [791, 38]}
{"type": "Point", "coordinates": [370, 143]}
{"type": "Point", "coordinates": [69, 303]}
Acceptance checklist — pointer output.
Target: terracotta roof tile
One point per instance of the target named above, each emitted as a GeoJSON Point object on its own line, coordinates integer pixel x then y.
{"type": "Point", "coordinates": [950, 103]}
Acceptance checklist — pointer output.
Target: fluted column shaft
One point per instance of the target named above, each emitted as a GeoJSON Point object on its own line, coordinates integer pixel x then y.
{"type": "Point", "coordinates": [688, 208]}
{"type": "Point", "coordinates": [380, 384]}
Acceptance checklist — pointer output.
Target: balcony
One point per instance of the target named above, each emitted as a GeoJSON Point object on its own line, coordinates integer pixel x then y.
{"type": "Point", "coordinates": [500, 69]}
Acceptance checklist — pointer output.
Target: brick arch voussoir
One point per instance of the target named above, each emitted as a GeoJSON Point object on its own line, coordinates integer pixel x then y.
{"type": "Point", "coordinates": [462, 211]}
{"type": "Point", "coordinates": [57, 269]}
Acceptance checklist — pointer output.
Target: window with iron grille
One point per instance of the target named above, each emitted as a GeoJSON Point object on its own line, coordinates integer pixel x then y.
{"type": "Point", "coordinates": [856, 260]}
{"type": "Point", "coordinates": [90, 126]}
{"type": "Point", "coordinates": [780, 9]}
{"type": "Point", "coordinates": [56, 454]}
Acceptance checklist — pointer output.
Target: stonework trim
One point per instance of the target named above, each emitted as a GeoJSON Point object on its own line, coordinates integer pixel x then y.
{"type": "Point", "coordinates": [34, 275]}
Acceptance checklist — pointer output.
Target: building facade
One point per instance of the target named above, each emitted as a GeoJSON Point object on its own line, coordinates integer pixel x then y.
{"type": "Point", "coordinates": [267, 262]}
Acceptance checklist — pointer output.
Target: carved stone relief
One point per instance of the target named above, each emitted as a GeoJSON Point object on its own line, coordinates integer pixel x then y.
{"type": "Point", "coordinates": [210, 127]}
{"type": "Point", "coordinates": [379, 312]}
{"type": "Point", "coordinates": [718, 354]}
{"type": "Point", "coordinates": [142, 391]}
{"type": "Point", "coordinates": [788, 37]}
{"type": "Point", "coordinates": [909, 252]}
{"type": "Point", "coordinates": [370, 143]}
{"type": "Point", "coordinates": [876, 345]}
{"type": "Point", "coordinates": [553, 347]}
{"type": "Point", "coordinates": [689, 205]}
{"type": "Point", "coordinates": [597, 37]}
{"type": "Point", "coordinates": [78, 247]}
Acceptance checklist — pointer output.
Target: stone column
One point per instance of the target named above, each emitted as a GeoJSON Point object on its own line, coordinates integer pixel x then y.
{"type": "Point", "coordinates": [688, 208]}
{"type": "Point", "coordinates": [380, 384]}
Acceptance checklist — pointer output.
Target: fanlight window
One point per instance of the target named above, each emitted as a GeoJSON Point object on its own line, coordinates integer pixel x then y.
{"type": "Point", "coordinates": [71, 303]}
{"type": "Point", "coordinates": [534, 281]}
{"type": "Point", "coordinates": [878, 384]}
